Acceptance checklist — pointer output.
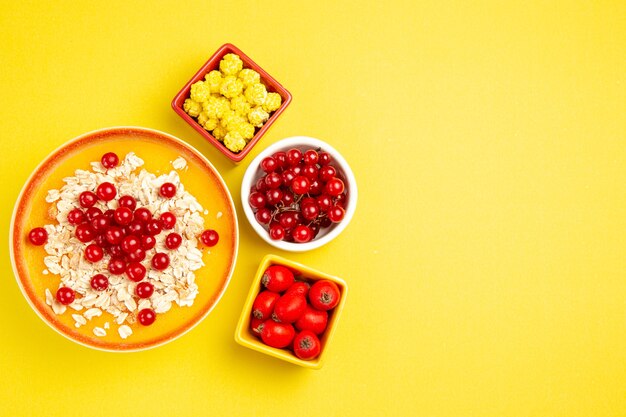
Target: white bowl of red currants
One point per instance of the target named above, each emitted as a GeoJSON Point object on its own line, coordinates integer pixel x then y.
{"type": "Point", "coordinates": [299, 194]}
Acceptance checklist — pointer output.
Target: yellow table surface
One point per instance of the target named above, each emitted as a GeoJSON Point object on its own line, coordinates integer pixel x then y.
{"type": "Point", "coordinates": [487, 257]}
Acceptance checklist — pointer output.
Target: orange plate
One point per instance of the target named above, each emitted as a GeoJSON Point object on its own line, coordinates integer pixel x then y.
{"type": "Point", "coordinates": [157, 149]}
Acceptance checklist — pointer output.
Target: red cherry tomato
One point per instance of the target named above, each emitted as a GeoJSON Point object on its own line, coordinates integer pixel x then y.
{"type": "Point", "coordinates": [299, 287]}
{"type": "Point", "coordinates": [306, 345]}
{"type": "Point", "coordinates": [324, 295]}
{"type": "Point", "coordinates": [312, 320]}
{"type": "Point", "coordinates": [263, 305]}
{"type": "Point", "coordinates": [278, 335]}
{"type": "Point", "coordinates": [289, 308]}
{"type": "Point", "coordinates": [277, 278]}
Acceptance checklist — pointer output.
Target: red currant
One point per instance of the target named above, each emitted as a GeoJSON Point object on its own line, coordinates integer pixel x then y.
{"type": "Point", "coordinates": [324, 158]}
{"type": "Point", "coordinates": [168, 190]}
{"type": "Point", "coordinates": [269, 164]}
{"type": "Point", "coordinates": [144, 290]}
{"type": "Point", "coordinates": [315, 188]}
{"type": "Point", "coordinates": [310, 211]}
{"type": "Point", "coordinates": [101, 241]}
{"type": "Point", "coordinates": [93, 253]}
{"type": "Point", "coordinates": [147, 242]}
{"type": "Point", "coordinates": [288, 177]}
{"type": "Point", "coordinates": [273, 196]}
{"type": "Point", "coordinates": [287, 198]}
{"type": "Point", "coordinates": [324, 202]}
{"type": "Point", "coordinates": [110, 160]}
{"type": "Point", "coordinates": [137, 256]}
{"type": "Point", "coordinates": [114, 235]}
{"type": "Point", "coordinates": [87, 199]}
{"type": "Point", "coordinates": [92, 212]}
{"type": "Point", "coordinates": [327, 173]}
{"type": "Point", "coordinates": [130, 244]}
{"type": "Point", "coordinates": [277, 232]}
{"type": "Point", "coordinates": [110, 213]}
{"type": "Point", "coordinates": [336, 213]}
{"type": "Point", "coordinates": [115, 251]}
{"type": "Point", "coordinates": [263, 216]}
{"type": "Point", "coordinates": [84, 232]}
{"type": "Point", "coordinates": [106, 191]}
{"type": "Point", "coordinates": [294, 157]}
{"type": "Point", "coordinates": [209, 237]}
{"type": "Point", "coordinates": [123, 216]}
{"type": "Point", "coordinates": [146, 316]}
{"type": "Point", "coordinates": [287, 219]}
{"type": "Point", "coordinates": [134, 228]}
{"type": "Point", "coordinates": [160, 261]}
{"type": "Point", "coordinates": [65, 295]}
{"type": "Point", "coordinates": [100, 223]}
{"type": "Point", "coordinates": [334, 187]}
{"type": "Point", "coordinates": [273, 180]}
{"type": "Point", "coordinates": [127, 201]}
{"type": "Point", "coordinates": [142, 214]}
{"type": "Point", "coordinates": [300, 185]}
{"type": "Point", "coordinates": [99, 282]}
{"type": "Point", "coordinates": [117, 266]}
{"type": "Point", "coordinates": [135, 271]}
{"type": "Point", "coordinates": [302, 234]}
{"type": "Point", "coordinates": [38, 236]}
{"type": "Point", "coordinates": [75, 216]}
{"type": "Point", "coordinates": [153, 227]}
{"type": "Point", "coordinates": [260, 184]}
{"type": "Point", "coordinates": [310, 157]}
{"type": "Point", "coordinates": [257, 200]}
{"type": "Point", "coordinates": [173, 241]}
{"type": "Point", "coordinates": [281, 159]}
{"type": "Point", "coordinates": [168, 220]}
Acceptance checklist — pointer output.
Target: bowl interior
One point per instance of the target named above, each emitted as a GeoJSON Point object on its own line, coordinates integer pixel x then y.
{"type": "Point", "coordinates": [254, 172]}
{"type": "Point", "coordinates": [213, 64]}
{"type": "Point", "coordinates": [245, 336]}
{"type": "Point", "coordinates": [156, 148]}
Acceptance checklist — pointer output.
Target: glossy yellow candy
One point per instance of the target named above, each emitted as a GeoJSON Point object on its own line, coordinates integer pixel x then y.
{"type": "Point", "coordinates": [272, 102]}
{"type": "Point", "coordinates": [231, 64]}
{"type": "Point", "coordinates": [214, 80]}
{"type": "Point", "coordinates": [231, 86]}
{"type": "Point", "coordinates": [249, 77]}
{"type": "Point", "coordinates": [234, 141]}
{"type": "Point", "coordinates": [240, 105]}
{"type": "Point", "coordinates": [200, 91]}
{"type": "Point", "coordinates": [219, 132]}
{"type": "Point", "coordinates": [192, 107]}
{"type": "Point", "coordinates": [258, 116]}
{"type": "Point", "coordinates": [256, 94]}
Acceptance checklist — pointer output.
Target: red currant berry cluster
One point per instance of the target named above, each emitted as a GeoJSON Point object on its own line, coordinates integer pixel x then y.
{"type": "Point", "coordinates": [299, 194]}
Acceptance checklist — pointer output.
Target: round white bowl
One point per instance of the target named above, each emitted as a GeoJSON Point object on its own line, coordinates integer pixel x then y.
{"type": "Point", "coordinates": [325, 235]}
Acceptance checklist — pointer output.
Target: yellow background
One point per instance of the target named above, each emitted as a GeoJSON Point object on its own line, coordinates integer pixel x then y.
{"type": "Point", "coordinates": [486, 260]}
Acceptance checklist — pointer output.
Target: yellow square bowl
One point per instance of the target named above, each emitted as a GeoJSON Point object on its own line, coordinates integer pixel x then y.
{"type": "Point", "coordinates": [244, 335]}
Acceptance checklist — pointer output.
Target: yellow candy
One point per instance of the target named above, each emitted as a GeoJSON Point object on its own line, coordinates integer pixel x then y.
{"type": "Point", "coordinates": [203, 117]}
{"type": "Point", "coordinates": [200, 91]}
{"type": "Point", "coordinates": [231, 64]}
{"type": "Point", "coordinates": [234, 141]}
{"type": "Point", "coordinates": [246, 130]}
{"type": "Point", "coordinates": [272, 102]}
{"type": "Point", "coordinates": [256, 94]}
{"type": "Point", "coordinates": [249, 77]}
{"type": "Point", "coordinates": [214, 80]}
{"type": "Point", "coordinates": [192, 107]}
{"type": "Point", "coordinates": [240, 105]}
{"type": "Point", "coordinates": [231, 86]}
{"type": "Point", "coordinates": [258, 116]}
{"type": "Point", "coordinates": [219, 132]}
{"type": "Point", "coordinates": [211, 124]}
{"type": "Point", "coordinates": [214, 107]}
